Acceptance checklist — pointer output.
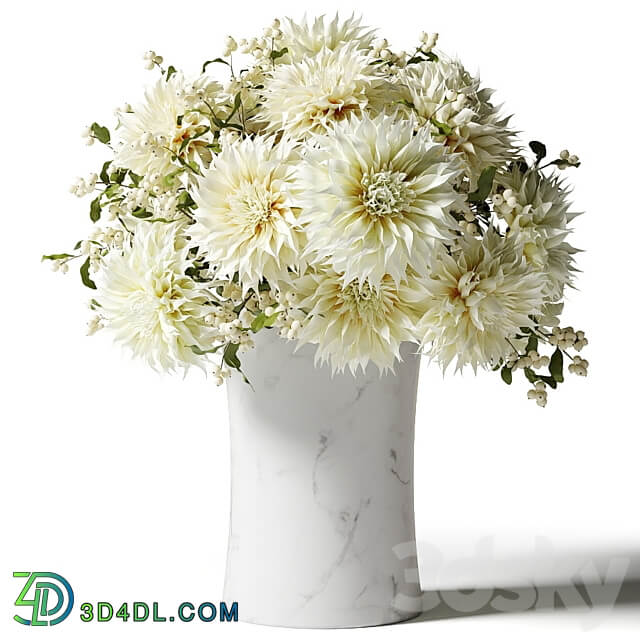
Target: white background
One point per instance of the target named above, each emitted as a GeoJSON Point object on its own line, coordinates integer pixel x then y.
{"type": "Point", "coordinates": [117, 478]}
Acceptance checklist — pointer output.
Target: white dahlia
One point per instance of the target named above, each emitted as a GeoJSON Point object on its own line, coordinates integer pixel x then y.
{"type": "Point", "coordinates": [450, 102]}
{"type": "Point", "coordinates": [353, 324]}
{"type": "Point", "coordinates": [246, 222]}
{"type": "Point", "coordinates": [536, 210]}
{"type": "Point", "coordinates": [156, 130]}
{"type": "Point", "coordinates": [374, 197]}
{"type": "Point", "coordinates": [478, 297]}
{"type": "Point", "coordinates": [309, 95]}
{"type": "Point", "coordinates": [307, 39]}
{"type": "Point", "coordinates": [148, 301]}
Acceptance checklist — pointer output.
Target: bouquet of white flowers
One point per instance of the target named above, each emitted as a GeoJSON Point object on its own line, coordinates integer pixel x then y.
{"type": "Point", "coordinates": [339, 192]}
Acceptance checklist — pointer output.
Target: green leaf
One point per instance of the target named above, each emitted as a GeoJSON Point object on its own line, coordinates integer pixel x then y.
{"type": "Point", "coordinates": [230, 356]}
{"type": "Point", "coordinates": [120, 175]}
{"type": "Point", "coordinates": [539, 149]}
{"type": "Point", "coordinates": [421, 56]}
{"type": "Point", "coordinates": [506, 374]}
{"type": "Point", "coordinates": [531, 375]}
{"type": "Point", "coordinates": [550, 381]}
{"type": "Point", "coordinates": [185, 200]}
{"type": "Point", "coordinates": [270, 321]}
{"type": "Point", "coordinates": [278, 54]}
{"type": "Point", "coordinates": [141, 214]}
{"type": "Point", "coordinates": [563, 164]}
{"type": "Point", "coordinates": [101, 133]}
{"type": "Point", "coordinates": [532, 343]}
{"type": "Point", "coordinates": [96, 209]}
{"type": "Point", "coordinates": [112, 190]}
{"type": "Point", "coordinates": [555, 365]}
{"type": "Point", "coordinates": [104, 173]}
{"type": "Point", "coordinates": [169, 179]}
{"type": "Point", "coordinates": [485, 184]}
{"type": "Point", "coordinates": [170, 71]}
{"type": "Point", "coordinates": [208, 62]}
{"type": "Point", "coordinates": [84, 274]}
{"type": "Point", "coordinates": [236, 105]}
{"type": "Point", "coordinates": [162, 220]}
{"type": "Point", "coordinates": [443, 128]}
{"type": "Point", "coordinates": [258, 322]}
{"type": "Point", "coordinates": [262, 320]}
{"type": "Point", "coordinates": [135, 179]}
{"type": "Point", "coordinates": [200, 352]}
{"type": "Point", "coordinates": [57, 256]}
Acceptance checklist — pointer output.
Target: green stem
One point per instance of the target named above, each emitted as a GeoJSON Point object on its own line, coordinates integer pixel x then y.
{"type": "Point", "coordinates": [513, 347]}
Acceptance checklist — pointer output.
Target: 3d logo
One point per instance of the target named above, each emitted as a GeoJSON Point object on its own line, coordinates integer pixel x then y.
{"type": "Point", "coordinates": [36, 593]}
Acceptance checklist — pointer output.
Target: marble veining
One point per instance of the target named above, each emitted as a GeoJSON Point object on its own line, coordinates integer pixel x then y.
{"type": "Point", "coordinates": [321, 491]}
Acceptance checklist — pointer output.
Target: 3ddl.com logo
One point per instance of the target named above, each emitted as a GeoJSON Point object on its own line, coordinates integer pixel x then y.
{"type": "Point", "coordinates": [49, 595]}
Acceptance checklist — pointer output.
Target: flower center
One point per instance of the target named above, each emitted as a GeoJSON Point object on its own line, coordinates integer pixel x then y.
{"type": "Point", "coordinates": [385, 193]}
{"type": "Point", "coordinates": [254, 203]}
{"type": "Point", "coordinates": [464, 289]}
{"type": "Point", "coordinates": [361, 299]}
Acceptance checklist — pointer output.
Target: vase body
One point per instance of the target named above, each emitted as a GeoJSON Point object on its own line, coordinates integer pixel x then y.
{"type": "Point", "coordinates": [322, 524]}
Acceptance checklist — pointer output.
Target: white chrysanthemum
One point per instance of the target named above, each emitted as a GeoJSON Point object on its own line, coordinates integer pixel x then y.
{"type": "Point", "coordinates": [472, 125]}
{"type": "Point", "coordinates": [310, 95]}
{"type": "Point", "coordinates": [539, 222]}
{"type": "Point", "coordinates": [375, 195]}
{"type": "Point", "coordinates": [157, 129]}
{"type": "Point", "coordinates": [353, 324]}
{"type": "Point", "coordinates": [478, 296]}
{"type": "Point", "coordinates": [305, 39]}
{"type": "Point", "coordinates": [148, 301]}
{"type": "Point", "coordinates": [246, 222]}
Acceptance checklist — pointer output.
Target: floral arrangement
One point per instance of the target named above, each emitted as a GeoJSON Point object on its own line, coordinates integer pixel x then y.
{"type": "Point", "coordinates": [337, 191]}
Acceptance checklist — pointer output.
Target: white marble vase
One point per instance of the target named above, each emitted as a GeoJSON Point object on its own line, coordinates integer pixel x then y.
{"type": "Point", "coordinates": [322, 523]}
